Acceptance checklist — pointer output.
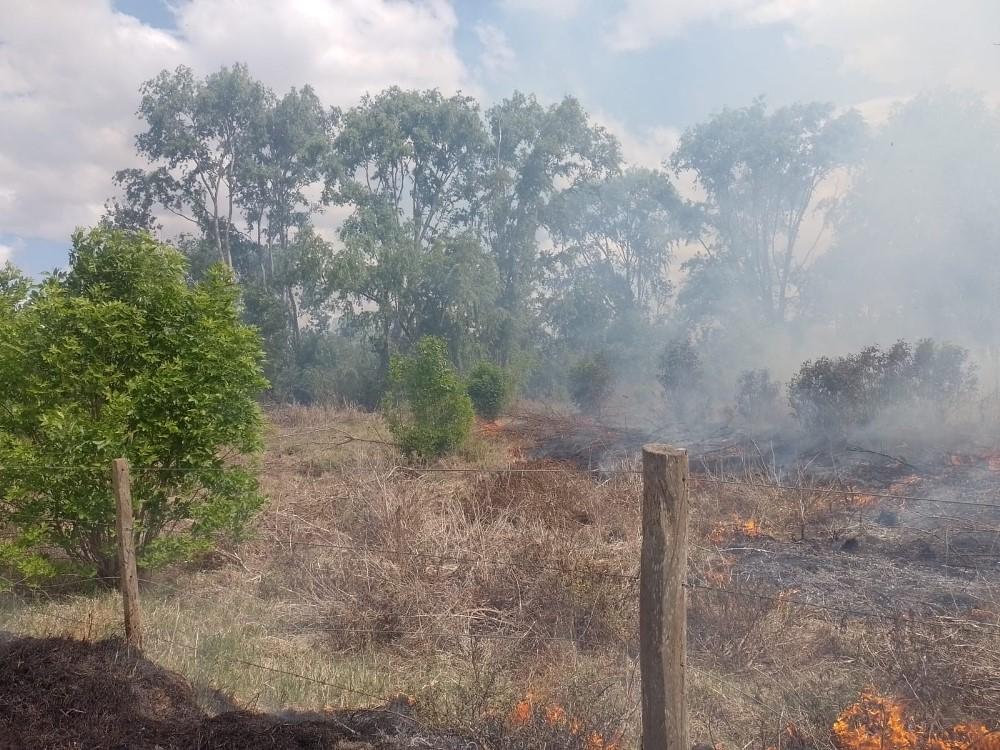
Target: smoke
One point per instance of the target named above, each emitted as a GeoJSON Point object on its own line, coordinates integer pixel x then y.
{"type": "Point", "coordinates": [902, 243]}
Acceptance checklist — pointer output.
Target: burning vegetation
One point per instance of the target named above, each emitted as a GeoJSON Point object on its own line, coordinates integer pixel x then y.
{"type": "Point", "coordinates": [876, 722]}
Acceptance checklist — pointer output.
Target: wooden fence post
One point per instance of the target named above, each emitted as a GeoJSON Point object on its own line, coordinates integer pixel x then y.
{"type": "Point", "coordinates": [128, 576]}
{"type": "Point", "coordinates": [663, 597]}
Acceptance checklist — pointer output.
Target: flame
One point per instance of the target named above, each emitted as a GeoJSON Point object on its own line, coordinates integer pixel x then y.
{"type": "Point", "coordinates": [523, 711]}
{"type": "Point", "coordinates": [555, 715]}
{"type": "Point", "coordinates": [749, 528]}
{"type": "Point", "coordinates": [862, 501]}
{"type": "Point", "coordinates": [873, 723]}
{"type": "Point", "coordinates": [992, 460]}
{"type": "Point", "coordinates": [528, 709]}
{"type": "Point", "coordinates": [876, 722]}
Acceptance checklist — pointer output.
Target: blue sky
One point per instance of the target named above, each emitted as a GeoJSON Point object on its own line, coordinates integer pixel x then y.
{"type": "Point", "coordinates": [647, 69]}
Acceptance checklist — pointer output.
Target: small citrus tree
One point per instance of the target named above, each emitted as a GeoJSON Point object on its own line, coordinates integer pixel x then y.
{"type": "Point", "coordinates": [490, 389]}
{"type": "Point", "coordinates": [427, 408]}
{"type": "Point", "coordinates": [120, 356]}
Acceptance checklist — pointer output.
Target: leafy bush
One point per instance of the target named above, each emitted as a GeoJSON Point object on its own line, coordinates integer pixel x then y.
{"type": "Point", "coordinates": [681, 374]}
{"type": "Point", "coordinates": [591, 381]}
{"type": "Point", "coordinates": [831, 395]}
{"type": "Point", "coordinates": [490, 389]}
{"type": "Point", "coordinates": [757, 395]}
{"type": "Point", "coordinates": [119, 356]}
{"type": "Point", "coordinates": [427, 407]}
{"type": "Point", "coordinates": [680, 366]}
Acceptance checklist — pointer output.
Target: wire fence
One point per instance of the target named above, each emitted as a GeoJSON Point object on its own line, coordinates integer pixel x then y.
{"type": "Point", "coordinates": [904, 608]}
{"type": "Point", "coordinates": [566, 471]}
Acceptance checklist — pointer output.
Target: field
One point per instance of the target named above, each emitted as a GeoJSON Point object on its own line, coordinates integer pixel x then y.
{"type": "Point", "coordinates": [503, 604]}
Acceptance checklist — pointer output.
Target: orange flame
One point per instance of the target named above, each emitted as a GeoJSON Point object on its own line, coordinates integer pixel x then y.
{"type": "Point", "coordinates": [527, 709]}
{"type": "Point", "coordinates": [876, 722]}
{"type": "Point", "coordinates": [862, 501]}
{"type": "Point", "coordinates": [749, 528]}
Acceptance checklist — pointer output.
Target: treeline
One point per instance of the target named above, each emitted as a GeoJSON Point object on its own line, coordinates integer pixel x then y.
{"type": "Point", "coordinates": [517, 233]}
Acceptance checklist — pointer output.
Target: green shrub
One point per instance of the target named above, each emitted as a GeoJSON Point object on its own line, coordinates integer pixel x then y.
{"type": "Point", "coordinates": [680, 369]}
{"type": "Point", "coordinates": [757, 395]}
{"type": "Point", "coordinates": [831, 395]}
{"type": "Point", "coordinates": [490, 389]}
{"type": "Point", "coordinates": [591, 381]}
{"type": "Point", "coordinates": [120, 356]}
{"type": "Point", "coordinates": [427, 408]}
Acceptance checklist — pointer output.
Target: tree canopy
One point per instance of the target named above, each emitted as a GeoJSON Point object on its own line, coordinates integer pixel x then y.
{"type": "Point", "coordinates": [519, 234]}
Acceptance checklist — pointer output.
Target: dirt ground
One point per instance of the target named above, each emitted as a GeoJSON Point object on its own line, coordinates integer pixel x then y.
{"type": "Point", "coordinates": [63, 694]}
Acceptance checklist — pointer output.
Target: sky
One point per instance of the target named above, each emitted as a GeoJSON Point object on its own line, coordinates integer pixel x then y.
{"type": "Point", "coordinates": [646, 69]}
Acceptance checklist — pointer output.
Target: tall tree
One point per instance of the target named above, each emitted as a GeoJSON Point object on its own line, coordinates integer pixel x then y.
{"type": "Point", "coordinates": [407, 163]}
{"type": "Point", "coordinates": [198, 135]}
{"type": "Point", "coordinates": [288, 156]}
{"type": "Point", "coordinates": [624, 228]}
{"type": "Point", "coordinates": [534, 152]}
{"type": "Point", "coordinates": [760, 172]}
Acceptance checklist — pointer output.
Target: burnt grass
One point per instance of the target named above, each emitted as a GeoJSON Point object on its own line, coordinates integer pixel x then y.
{"type": "Point", "coordinates": [59, 693]}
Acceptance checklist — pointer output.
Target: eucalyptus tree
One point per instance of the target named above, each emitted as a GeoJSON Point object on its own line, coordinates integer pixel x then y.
{"type": "Point", "coordinates": [407, 164]}
{"type": "Point", "coordinates": [625, 229]}
{"type": "Point", "coordinates": [760, 172]}
{"type": "Point", "coordinates": [614, 242]}
{"type": "Point", "coordinates": [198, 135]}
{"type": "Point", "coordinates": [287, 157]}
{"type": "Point", "coordinates": [14, 288]}
{"type": "Point", "coordinates": [534, 153]}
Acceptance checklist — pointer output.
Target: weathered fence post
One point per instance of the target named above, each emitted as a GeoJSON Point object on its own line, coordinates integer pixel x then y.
{"type": "Point", "coordinates": [128, 576]}
{"type": "Point", "coordinates": [662, 597]}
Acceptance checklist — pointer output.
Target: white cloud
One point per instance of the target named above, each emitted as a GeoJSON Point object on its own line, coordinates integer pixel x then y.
{"type": "Point", "coordinates": [647, 147]}
{"type": "Point", "coordinates": [643, 22]}
{"type": "Point", "coordinates": [70, 73]}
{"type": "Point", "coordinates": [6, 252]}
{"type": "Point", "coordinates": [912, 44]}
{"type": "Point", "coordinates": [554, 8]}
{"type": "Point", "coordinates": [497, 55]}
{"type": "Point", "coordinates": [342, 47]}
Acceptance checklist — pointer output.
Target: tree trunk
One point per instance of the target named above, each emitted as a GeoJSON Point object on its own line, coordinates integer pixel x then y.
{"type": "Point", "coordinates": [294, 309]}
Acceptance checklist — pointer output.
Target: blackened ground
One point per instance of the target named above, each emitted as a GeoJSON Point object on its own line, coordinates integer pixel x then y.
{"type": "Point", "coordinates": [62, 694]}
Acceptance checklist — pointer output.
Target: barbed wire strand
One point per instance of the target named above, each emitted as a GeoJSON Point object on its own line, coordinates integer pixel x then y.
{"type": "Point", "coordinates": [245, 662]}
{"type": "Point", "coordinates": [859, 613]}
{"type": "Point", "coordinates": [864, 614]}
{"type": "Point", "coordinates": [695, 479]}
{"type": "Point", "coordinates": [386, 552]}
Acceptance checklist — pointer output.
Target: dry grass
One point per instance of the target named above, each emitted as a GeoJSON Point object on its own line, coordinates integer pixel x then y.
{"type": "Point", "coordinates": [471, 590]}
